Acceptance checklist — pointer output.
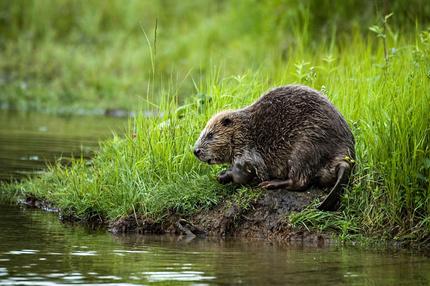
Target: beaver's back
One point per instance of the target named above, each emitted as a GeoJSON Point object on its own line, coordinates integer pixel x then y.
{"type": "Point", "coordinates": [288, 116]}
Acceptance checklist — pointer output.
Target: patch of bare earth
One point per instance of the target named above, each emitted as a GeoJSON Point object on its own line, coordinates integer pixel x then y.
{"type": "Point", "coordinates": [266, 218]}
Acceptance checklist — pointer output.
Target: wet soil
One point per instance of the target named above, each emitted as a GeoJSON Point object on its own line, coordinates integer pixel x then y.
{"type": "Point", "coordinates": [267, 218]}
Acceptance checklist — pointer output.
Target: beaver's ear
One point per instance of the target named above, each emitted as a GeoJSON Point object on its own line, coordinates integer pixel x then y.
{"type": "Point", "coordinates": [226, 121]}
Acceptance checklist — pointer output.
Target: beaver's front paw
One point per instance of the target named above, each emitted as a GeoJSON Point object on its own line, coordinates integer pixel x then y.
{"type": "Point", "coordinates": [225, 177]}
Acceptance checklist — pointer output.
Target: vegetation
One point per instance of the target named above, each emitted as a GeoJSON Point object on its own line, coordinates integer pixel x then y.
{"type": "Point", "coordinates": [70, 56]}
{"type": "Point", "coordinates": [378, 78]}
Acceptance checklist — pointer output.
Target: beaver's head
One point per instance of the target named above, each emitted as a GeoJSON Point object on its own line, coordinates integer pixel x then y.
{"type": "Point", "coordinates": [214, 145]}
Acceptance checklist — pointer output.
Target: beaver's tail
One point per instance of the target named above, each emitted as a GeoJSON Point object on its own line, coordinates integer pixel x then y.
{"type": "Point", "coordinates": [331, 202]}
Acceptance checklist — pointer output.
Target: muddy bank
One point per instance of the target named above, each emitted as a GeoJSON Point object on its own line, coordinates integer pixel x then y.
{"type": "Point", "coordinates": [267, 218]}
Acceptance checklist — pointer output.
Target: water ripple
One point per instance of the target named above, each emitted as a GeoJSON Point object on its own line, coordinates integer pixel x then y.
{"type": "Point", "coordinates": [23, 251]}
{"type": "Point", "coordinates": [177, 276]}
{"type": "Point", "coordinates": [84, 253]}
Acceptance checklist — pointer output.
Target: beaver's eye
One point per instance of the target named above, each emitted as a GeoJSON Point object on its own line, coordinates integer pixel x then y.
{"type": "Point", "coordinates": [210, 135]}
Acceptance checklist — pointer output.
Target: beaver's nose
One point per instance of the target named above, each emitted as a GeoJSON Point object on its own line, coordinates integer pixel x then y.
{"type": "Point", "coordinates": [197, 152]}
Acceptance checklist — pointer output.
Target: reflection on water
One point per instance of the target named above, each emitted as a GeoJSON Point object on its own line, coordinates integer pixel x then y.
{"type": "Point", "coordinates": [35, 249]}
{"type": "Point", "coordinates": [29, 140]}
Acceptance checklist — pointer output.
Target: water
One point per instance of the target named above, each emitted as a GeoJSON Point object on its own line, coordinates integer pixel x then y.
{"type": "Point", "coordinates": [29, 140]}
{"type": "Point", "coordinates": [36, 249]}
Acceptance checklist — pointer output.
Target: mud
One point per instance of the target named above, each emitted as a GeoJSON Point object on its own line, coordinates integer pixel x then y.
{"type": "Point", "coordinates": [267, 218]}
{"type": "Point", "coordinates": [33, 202]}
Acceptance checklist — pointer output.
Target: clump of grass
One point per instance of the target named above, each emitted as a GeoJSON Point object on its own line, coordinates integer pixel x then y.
{"type": "Point", "coordinates": [9, 193]}
{"type": "Point", "coordinates": [155, 173]}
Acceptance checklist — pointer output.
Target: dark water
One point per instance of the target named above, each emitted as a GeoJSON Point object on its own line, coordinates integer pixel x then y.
{"type": "Point", "coordinates": [36, 249]}
{"type": "Point", "coordinates": [29, 140]}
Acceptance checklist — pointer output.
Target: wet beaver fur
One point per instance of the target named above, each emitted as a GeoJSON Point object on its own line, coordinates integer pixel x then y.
{"type": "Point", "coordinates": [291, 138]}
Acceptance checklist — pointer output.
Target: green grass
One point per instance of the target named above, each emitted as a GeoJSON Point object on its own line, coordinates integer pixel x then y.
{"type": "Point", "coordinates": [222, 57]}
{"type": "Point", "coordinates": [387, 105]}
{"type": "Point", "coordinates": [70, 55]}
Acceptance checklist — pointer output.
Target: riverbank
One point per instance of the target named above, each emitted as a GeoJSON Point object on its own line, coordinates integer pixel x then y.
{"type": "Point", "coordinates": [151, 173]}
{"type": "Point", "coordinates": [272, 216]}
{"type": "Point", "coordinates": [265, 216]}
{"type": "Point", "coordinates": [375, 70]}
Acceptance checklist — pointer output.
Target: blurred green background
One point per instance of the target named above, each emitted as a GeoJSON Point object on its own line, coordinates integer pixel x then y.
{"type": "Point", "coordinates": [69, 55]}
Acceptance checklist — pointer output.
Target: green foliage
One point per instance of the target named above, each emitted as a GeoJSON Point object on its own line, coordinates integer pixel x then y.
{"type": "Point", "coordinates": [245, 197]}
{"type": "Point", "coordinates": [155, 172]}
{"type": "Point", "coordinates": [9, 193]}
{"type": "Point", "coordinates": [224, 56]}
{"type": "Point", "coordinates": [73, 54]}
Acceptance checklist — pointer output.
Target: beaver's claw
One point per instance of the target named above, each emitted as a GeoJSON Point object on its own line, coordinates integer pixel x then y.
{"type": "Point", "coordinates": [224, 177]}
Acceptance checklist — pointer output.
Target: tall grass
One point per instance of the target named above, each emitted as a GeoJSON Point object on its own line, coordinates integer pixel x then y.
{"type": "Point", "coordinates": [70, 55]}
{"type": "Point", "coordinates": [387, 104]}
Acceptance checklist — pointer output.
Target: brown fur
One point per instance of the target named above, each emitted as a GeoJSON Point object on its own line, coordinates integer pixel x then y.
{"type": "Point", "coordinates": [290, 138]}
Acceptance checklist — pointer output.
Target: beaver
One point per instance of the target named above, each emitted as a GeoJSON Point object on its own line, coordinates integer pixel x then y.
{"type": "Point", "coordinates": [291, 138]}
